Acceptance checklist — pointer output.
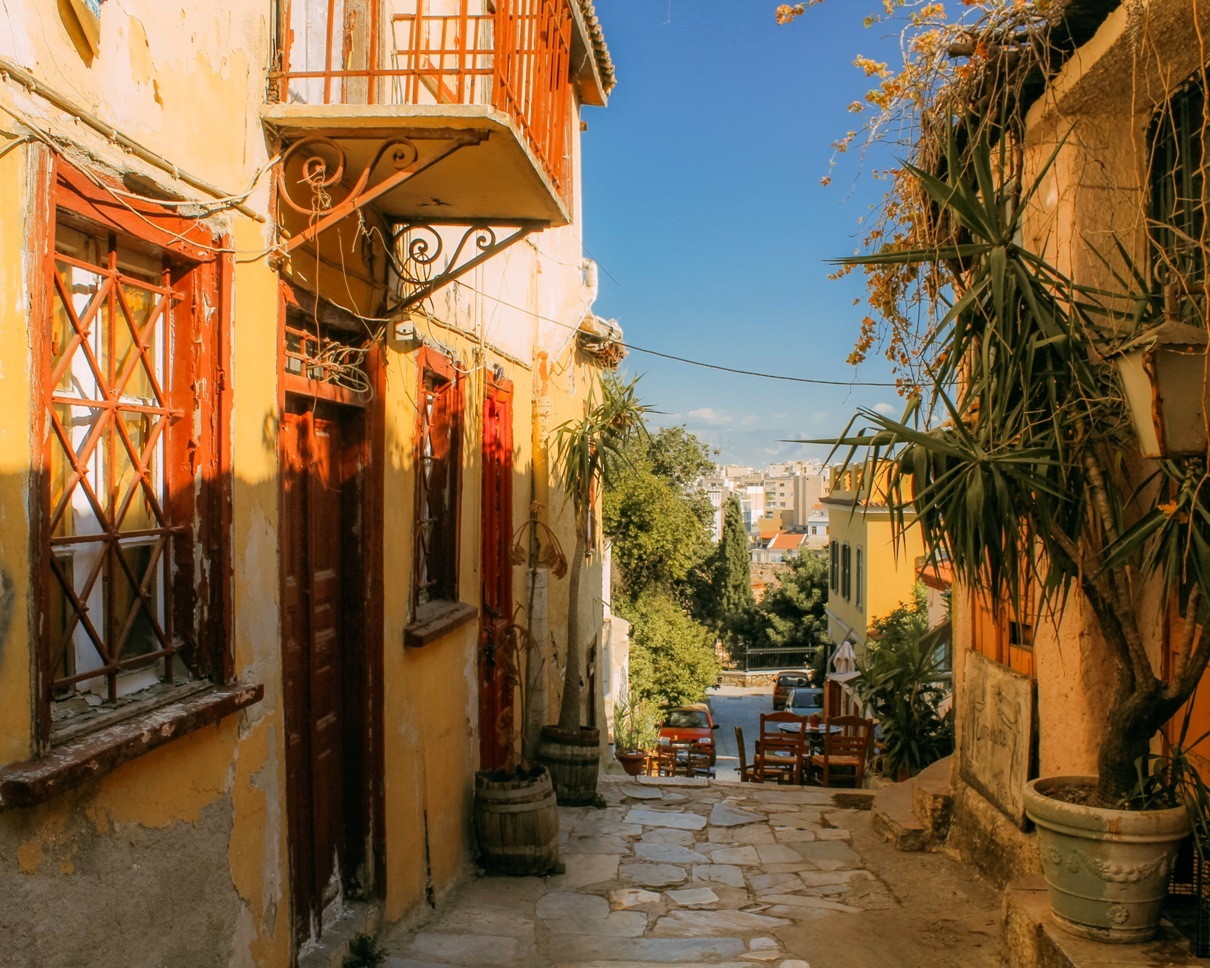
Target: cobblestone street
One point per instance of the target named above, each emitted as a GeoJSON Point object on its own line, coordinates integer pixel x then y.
{"type": "Point", "coordinates": [721, 874]}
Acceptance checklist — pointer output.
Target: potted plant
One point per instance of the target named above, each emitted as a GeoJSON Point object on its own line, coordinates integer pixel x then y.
{"type": "Point", "coordinates": [515, 817]}
{"type": "Point", "coordinates": [634, 732]}
{"type": "Point", "coordinates": [902, 680]}
{"type": "Point", "coordinates": [1021, 469]}
{"type": "Point", "coordinates": [587, 452]}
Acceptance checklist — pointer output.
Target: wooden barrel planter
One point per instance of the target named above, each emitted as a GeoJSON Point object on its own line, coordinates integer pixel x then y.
{"type": "Point", "coordinates": [573, 757]}
{"type": "Point", "coordinates": [516, 822]}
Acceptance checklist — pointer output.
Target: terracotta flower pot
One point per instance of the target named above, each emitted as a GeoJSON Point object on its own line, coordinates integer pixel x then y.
{"type": "Point", "coordinates": [632, 761]}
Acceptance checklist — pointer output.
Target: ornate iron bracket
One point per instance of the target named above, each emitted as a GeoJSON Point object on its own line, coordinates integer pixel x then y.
{"type": "Point", "coordinates": [419, 247]}
{"type": "Point", "coordinates": [323, 172]}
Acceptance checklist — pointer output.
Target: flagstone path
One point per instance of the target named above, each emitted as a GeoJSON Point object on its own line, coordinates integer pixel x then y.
{"type": "Point", "coordinates": [721, 875]}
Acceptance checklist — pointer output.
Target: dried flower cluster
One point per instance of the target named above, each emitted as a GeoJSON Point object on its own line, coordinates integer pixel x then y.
{"type": "Point", "coordinates": [969, 64]}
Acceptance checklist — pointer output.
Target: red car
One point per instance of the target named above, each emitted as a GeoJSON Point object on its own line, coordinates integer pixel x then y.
{"type": "Point", "coordinates": [690, 724]}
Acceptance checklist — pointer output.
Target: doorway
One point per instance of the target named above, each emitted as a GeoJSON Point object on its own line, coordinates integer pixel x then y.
{"type": "Point", "coordinates": [324, 656]}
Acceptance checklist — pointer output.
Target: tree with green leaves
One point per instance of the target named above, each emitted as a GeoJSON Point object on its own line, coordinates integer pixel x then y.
{"type": "Point", "coordinates": [723, 591]}
{"type": "Point", "coordinates": [657, 528]}
{"type": "Point", "coordinates": [793, 612]}
{"type": "Point", "coordinates": [672, 657]}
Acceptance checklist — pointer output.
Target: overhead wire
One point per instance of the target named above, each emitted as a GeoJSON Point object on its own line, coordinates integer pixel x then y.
{"type": "Point", "coordinates": [701, 363]}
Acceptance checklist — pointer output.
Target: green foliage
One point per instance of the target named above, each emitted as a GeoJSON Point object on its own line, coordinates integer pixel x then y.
{"type": "Point", "coordinates": [793, 611]}
{"type": "Point", "coordinates": [900, 681]}
{"type": "Point", "coordinates": [679, 457]}
{"type": "Point", "coordinates": [905, 623]}
{"type": "Point", "coordinates": [364, 952]}
{"type": "Point", "coordinates": [672, 660]}
{"type": "Point", "coordinates": [588, 455]}
{"type": "Point", "coordinates": [589, 451]}
{"type": "Point", "coordinates": [659, 528]}
{"type": "Point", "coordinates": [728, 593]}
{"type": "Point", "coordinates": [1172, 779]}
{"type": "Point", "coordinates": [635, 723]}
{"type": "Point", "coordinates": [658, 538]}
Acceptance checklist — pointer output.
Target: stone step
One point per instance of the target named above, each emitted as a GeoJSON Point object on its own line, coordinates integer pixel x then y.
{"type": "Point", "coordinates": [1034, 940]}
{"type": "Point", "coordinates": [933, 798]}
{"type": "Point", "coordinates": [894, 821]}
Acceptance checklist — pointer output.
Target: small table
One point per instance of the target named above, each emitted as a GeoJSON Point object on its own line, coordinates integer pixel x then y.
{"type": "Point", "coordinates": [814, 734]}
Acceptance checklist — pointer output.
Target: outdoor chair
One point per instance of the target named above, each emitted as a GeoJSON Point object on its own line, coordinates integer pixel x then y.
{"type": "Point", "coordinates": [746, 774]}
{"type": "Point", "coordinates": [779, 754]}
{"type": "Point", "coordinates": [845, 751]}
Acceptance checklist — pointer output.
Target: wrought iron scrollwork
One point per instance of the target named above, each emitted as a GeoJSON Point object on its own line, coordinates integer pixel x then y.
{"type": "Point", "coordinates": [425, 259]}
{"type": "Point", "coordinates": [419, 248]}
{"type": "Point", "coordinates": [323, 164]}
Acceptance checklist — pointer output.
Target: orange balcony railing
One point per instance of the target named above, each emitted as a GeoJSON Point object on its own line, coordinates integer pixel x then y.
{"type": "Point", "coordinates": [513, 55]}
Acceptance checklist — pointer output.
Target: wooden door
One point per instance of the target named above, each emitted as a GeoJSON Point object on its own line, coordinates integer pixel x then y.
{"type": "Point", "coordinates": [497, 672]}
{"type": "Point", "coordinates": [321, 652]}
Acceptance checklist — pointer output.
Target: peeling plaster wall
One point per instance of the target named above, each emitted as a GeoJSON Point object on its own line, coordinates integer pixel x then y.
{"type": "Point", "coordinates": [177, 857]}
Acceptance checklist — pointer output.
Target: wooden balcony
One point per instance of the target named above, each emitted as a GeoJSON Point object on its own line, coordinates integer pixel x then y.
{"type": "Point", "coordinates": [472, 99]}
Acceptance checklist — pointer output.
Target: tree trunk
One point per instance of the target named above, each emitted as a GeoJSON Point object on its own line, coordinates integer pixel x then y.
{"type": "Point", "coordinates": [1138, 714]}
{"type": "Point", "coordinates": [569, 709]}
{"type": "Point", "coordinates": [533, 715]}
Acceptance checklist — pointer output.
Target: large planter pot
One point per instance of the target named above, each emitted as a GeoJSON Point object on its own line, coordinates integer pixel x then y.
{"type": "Point", "coordinates": [573, 757]}
{"type": "Point", "coordinates": [1106, 870]}
{"type": "Point", "coordinates": [516, 822]}
{"type": "Point", "coordinates": [632, 761]}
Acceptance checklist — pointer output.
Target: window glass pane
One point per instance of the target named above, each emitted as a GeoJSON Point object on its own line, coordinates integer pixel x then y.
{"type": "Point", "coordinates": [63, 657]}
{"type": "Point", "coordinates": [142, 304]}
{"type": "Point", "coordinates": [126, 607]}
{"type": "Point", "coordinates": [140, 514]}
{"type": "Point", "coordinates": [84, 289]}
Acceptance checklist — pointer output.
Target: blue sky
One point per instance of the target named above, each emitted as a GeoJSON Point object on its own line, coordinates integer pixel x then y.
{"type": "Point", "coordinates": [704, 208]}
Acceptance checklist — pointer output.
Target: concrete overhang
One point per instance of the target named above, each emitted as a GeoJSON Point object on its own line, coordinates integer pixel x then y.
{"type": "Point", "coordinates": [494, 176]}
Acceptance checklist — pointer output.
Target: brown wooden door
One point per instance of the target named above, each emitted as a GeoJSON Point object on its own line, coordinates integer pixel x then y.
{"type": "Point", "coordinates": [321, 650]}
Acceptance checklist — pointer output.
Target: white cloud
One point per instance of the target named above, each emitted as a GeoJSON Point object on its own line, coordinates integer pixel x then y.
{"type": "Point", "coordinates": [886, 409]}
{"type": "Point", "coordinates": [708, 415]}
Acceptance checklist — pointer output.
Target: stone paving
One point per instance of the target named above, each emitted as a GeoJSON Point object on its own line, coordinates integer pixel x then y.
{"type": "Point", "coordinates": [688, 874]}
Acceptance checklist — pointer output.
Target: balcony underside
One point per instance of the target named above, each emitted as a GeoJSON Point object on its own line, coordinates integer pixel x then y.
{"type": "Point", "coordinates": [439, 163]}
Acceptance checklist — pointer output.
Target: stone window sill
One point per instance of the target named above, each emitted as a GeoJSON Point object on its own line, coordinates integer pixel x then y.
{"type": "Point", "coordinates": [72, 763]}
{"type": "Point", "coordinates": [435, 620]}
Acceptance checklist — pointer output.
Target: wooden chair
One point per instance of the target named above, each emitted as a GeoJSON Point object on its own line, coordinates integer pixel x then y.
{"type": "Point", "coordinates": [746, 774]}
{"type": "Point", "coordinates": [846, 750]}
{"type": "Point", "coordinates": [779, 755]}
{"type": "Point", "coordinates": [697, 761]}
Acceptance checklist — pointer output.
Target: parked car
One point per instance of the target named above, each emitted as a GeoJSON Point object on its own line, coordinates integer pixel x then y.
{"type": "Point", "coordinates": [785, 683]}
{"type": "Point", "coordinates": [690, 724]}
{"type": "Point", "coordinates": [806, 702]}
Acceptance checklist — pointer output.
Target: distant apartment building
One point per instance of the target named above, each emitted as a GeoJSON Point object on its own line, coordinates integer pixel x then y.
{"type": "Point", "coordinates": [752, 504]}
{"type": "Point", "coordinates": [817, 527]}
{"type": "Point", "coordinates": [781, 546]}
{"type": "Point", "coordinates": [717, 489]}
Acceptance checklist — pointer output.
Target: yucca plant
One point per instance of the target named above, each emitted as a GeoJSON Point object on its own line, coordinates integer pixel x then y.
{"type": "Point", "coordinates": [1019, 463]}
{"type": "Point", "coordinates": [588, 452]}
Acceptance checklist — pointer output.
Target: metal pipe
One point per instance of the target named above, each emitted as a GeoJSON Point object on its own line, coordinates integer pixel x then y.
{"type": "Point", "coordinates": [63, 103]}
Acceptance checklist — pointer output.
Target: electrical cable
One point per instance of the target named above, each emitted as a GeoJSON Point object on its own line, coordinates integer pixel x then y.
{"type": "Point", "coordinates": [710, 366]}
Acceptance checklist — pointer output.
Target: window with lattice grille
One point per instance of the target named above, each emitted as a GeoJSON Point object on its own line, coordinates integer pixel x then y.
{"type": "Point", "coordinates": [438, 453]}
{"type": "Point", "coordinates": [120, 414]}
